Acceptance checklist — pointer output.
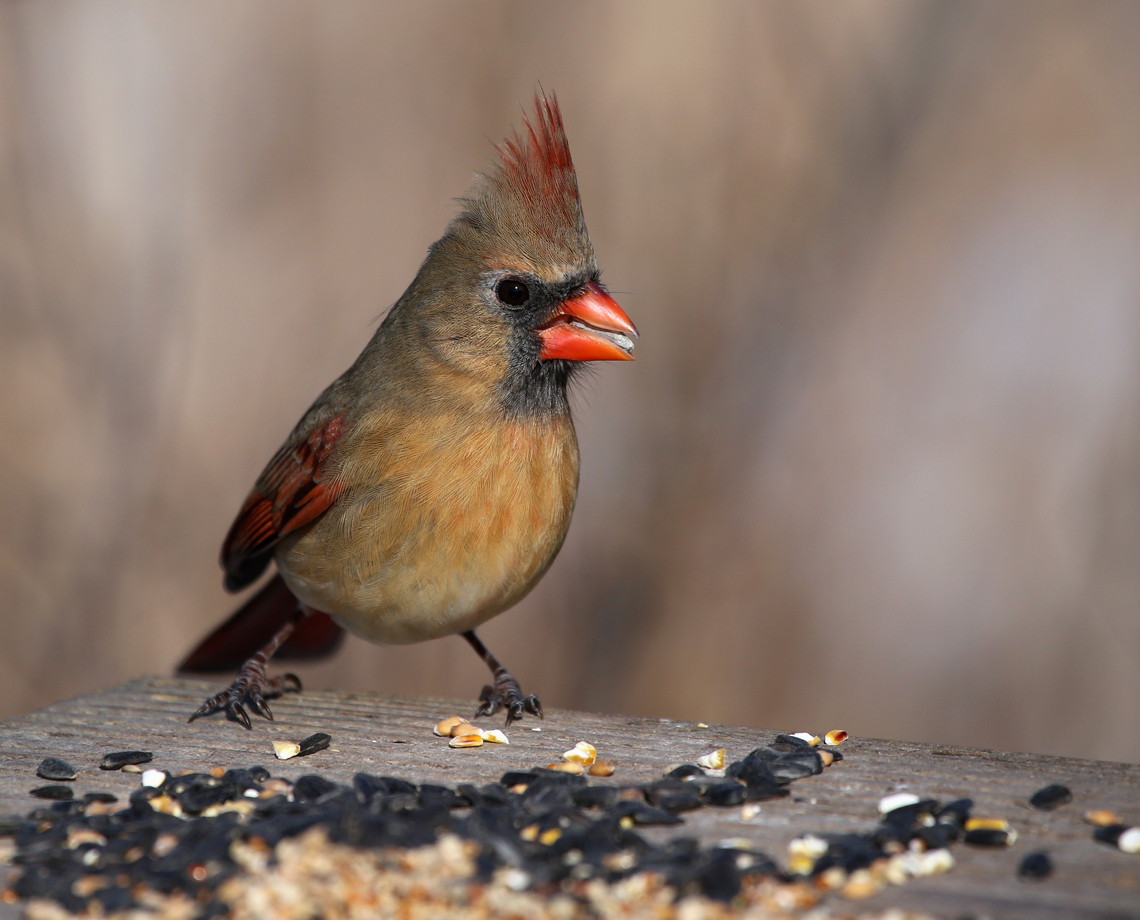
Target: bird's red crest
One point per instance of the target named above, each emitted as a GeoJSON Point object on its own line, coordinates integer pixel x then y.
{"type": "Point", "coordinates": [541, 157]}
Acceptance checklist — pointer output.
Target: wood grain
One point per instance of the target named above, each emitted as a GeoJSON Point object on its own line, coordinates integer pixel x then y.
{"type": "Point", "coordinates": [393, 736]}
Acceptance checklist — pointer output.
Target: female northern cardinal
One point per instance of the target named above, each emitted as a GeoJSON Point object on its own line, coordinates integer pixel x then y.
{"type": "Point", "coordinates": [431, 485]}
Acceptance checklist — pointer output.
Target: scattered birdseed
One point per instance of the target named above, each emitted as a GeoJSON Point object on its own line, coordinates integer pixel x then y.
{"type": "Point", "coordinates": [861, 884]}
{"type": "Point", "coordinates": [286, 749]}
{"type": "Point", "coordinates": [443, 728]}
{"type": "Point", "coordinates": [465, 728]}
{"type": "Point", "coordinates": [713, 761]}
{"type": "Point", "coordinates": [1101, 817]}
{"type": "Point", "coordinates": [315, 847]}
{"type": "Point", "coordinates": [567, 767]}
{"type": "Point", "coordinates": [120, 759]}
{"type": "Point", "coordinates": [601, 768]}
{"type": "Point", "coordinates": [314, 743]}
{"type": "Point", "coordinates": [153, 778]}
{"type": "Point", "coordinates": [57, 792]}
{"type": "Point", "coordinates": [582, 753]}
{"type": "Point", "coordinates": [1035, 866]}
{"type": "Point", "coordinates": [990, 837]}
{"type": "Point", "coordinates": [495, 736]}
{"type": "Point", "coordinates": [1129, 841]}
{"type": "Point", "coordinates": [466, 741]}
{"type": "Point", "coordinates": [890, 803]}
{"type": "Point", "coordinates": [811, 739]}
{"type": "Point", "coordinates": [835, 736]}
{"type": "Point", "coordinates": [1051, 797]}
{"type": "Point", "coordinates": [56, 770]}
{"type": "Point", "coordinates": [701, 725]}
{"type": "Point", "coordinates": [986, 824]}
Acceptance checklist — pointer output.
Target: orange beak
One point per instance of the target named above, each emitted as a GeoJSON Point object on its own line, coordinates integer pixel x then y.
{"type": "Point", "coordinates": [589, 327]}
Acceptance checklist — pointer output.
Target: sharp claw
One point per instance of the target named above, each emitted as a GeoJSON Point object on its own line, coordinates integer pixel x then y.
{"type": "Point", "coordinates": [239, 713]}
{"type": "Point", "coordinates": [285, 678]}
{"type": "Point", "coordinates": [257, 704]}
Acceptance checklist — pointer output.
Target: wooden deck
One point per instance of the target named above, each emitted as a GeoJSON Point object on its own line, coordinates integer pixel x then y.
{"type": "Point", "coordinates": [389, 735]}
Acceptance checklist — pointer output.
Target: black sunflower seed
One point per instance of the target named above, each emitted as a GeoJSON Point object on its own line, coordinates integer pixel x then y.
{"type": "Point", "coordinates": [1035, 866]}
{"type": "Point", "coordinates": [120, 759]}
{"type": "Point", "coordinates": [684, 770]}
{"type": "Point", "coordinates": [987, 837]}
{"type": "Point", "coordinates": [55, 791]}
{"type": "Point", "coordinates": [1051, 797]}
{"type": "Point", "coordinates": [1110, 833]}
{"type": "Point", "coordinates": [52, 768]}
{"type": "Point", "coordinates": [728, 793]}
{"type": "Point", "coordinates": [314, 743]}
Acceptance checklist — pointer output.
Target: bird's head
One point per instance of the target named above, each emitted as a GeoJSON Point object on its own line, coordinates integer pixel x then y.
{"type": "Point", "coordinates": [514, 281]}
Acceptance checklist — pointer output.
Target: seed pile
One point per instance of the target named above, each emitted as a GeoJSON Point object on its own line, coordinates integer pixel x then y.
{"type": "Point", "coordinates": [548, 842]}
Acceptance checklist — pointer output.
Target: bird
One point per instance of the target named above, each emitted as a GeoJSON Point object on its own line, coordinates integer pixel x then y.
{"type": "Point", "coordinates": [431, 485]}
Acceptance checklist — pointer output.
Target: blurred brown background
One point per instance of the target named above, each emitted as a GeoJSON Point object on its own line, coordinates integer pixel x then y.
{"type": "Point", "coordinates": [876, 466]}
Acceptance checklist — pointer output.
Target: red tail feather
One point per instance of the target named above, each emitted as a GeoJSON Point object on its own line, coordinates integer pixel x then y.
{"type": "Point", "coordinates": [245, 633]}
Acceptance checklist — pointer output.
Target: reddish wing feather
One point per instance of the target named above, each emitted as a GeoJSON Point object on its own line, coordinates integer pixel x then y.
{"type": "Point", "coordinates": [292, 492]}
{"type": "Point", "coordinates": [244, 634]}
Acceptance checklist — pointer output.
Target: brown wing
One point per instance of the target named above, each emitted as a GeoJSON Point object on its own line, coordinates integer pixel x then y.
{"type": "Point", "coordinates": [294, 490]}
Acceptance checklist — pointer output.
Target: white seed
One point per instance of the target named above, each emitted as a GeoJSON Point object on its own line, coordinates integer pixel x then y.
{"type": "Point", "coordinates": [583, 752]}
{"type": "Point", "coordinates": [749, 811]}
{"type": "Point", "coordinates": [516, 879]}
{"type": "Point", "coordinates": [153, 778]}
{"type": "Point", "coordinates": [899, 800]}
{"type": "Point", "coordinates": [861, 884]}
{"type": "Point", "coordinates": [808, 737]}
{"type": "Point", "coordinates": [935, 862]}
{"type": "Point", "coordinates": [465, 741]}
{"type": "Point", "coordinates": [1129, 841]}
{"type": "Point", "coordinates": [833, 878]}
{"type": "Point", "coordinates": [808, 845]}
{"type": "Point", "coordinates": [131, 768]}
{"type": "Point", "coordinates": [495, 736]}
{"type": "Point", "coordinates": [286, 749]}
{"type": "Point", "coordinates": [713, 761]}
{"type": "Point", "coordinates": [77, 836]}
{"type": "Point", "coordinates": [701, 725]}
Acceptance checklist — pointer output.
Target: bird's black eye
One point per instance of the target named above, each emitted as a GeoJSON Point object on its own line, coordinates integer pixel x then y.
{"type": "Point", "coordinates": [512, 292]}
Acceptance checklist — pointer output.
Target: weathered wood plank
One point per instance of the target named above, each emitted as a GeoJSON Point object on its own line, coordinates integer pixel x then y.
{"type": "Point", "coordinates": [389, 735]}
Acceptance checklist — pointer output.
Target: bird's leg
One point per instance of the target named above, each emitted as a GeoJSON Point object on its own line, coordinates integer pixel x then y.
{"type": "Point", "coordinates": [253, 684]}
{"type": "Point", "coordinates": [505, 691]}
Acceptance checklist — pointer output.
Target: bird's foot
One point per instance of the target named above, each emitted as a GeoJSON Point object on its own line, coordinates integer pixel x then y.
{"type": "Point", "coordinates": [252, 686]}
{"type": "Point", "coordinates": [506, 694]}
